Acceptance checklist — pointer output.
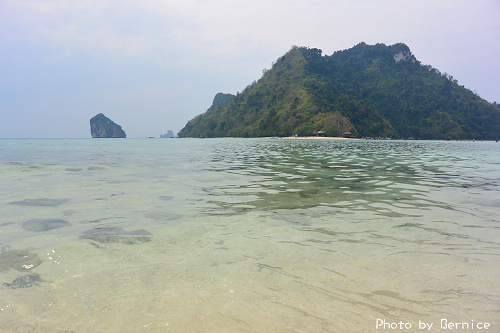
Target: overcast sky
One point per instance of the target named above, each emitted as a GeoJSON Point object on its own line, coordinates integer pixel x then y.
{"type": "Point", "coordinates": [152, 65]}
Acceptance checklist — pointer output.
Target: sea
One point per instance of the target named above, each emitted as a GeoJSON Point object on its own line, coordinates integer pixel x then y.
{"type": "Point", "coordinates": [249, 235]}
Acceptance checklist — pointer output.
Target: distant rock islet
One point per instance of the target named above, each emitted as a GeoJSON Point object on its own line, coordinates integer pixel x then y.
{"type": "Point", "coordinates": [103, 127]}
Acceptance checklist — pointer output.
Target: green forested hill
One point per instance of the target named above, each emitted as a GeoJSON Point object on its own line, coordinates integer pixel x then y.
{"type": "Point", "coordinates": [368, 90]}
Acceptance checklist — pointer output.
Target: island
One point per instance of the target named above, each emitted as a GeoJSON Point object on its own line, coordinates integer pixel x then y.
{"type": "Point", "coordinates": [367, 91]}
{"type": "Point", "coordinates": [103, 127]}
{"type": "Point", "coordinates": [170, 134]}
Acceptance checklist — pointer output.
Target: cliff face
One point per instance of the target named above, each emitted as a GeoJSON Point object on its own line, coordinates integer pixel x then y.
{"type": "Point", "coordinates": [103, 127]}
{"type": "Point", "coordinates": [221, 98]}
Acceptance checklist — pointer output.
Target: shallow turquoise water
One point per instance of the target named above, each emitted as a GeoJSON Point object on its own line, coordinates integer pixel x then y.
{"type": "Point", "coordinates": [247, 235]}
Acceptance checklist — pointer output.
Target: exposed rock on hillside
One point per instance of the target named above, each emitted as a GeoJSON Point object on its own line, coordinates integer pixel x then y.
{"type": "Point", "coordinates": [221, 98]}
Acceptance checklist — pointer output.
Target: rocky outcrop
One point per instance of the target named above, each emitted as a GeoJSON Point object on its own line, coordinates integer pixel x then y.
{"type": "Point", "coordinates": [221, 98]}
{"type": "Point", "coordinates": [103, 127]}
{"type": "Point", "coordinates": [170, 134]}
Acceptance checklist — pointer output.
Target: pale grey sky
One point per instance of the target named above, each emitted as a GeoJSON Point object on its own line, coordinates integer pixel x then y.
{"type": "Point", "coordinates": [152, 65]}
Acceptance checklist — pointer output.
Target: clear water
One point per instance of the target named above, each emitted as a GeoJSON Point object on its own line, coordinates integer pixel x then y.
{"type": "Point", "coordinates": [243, 235]}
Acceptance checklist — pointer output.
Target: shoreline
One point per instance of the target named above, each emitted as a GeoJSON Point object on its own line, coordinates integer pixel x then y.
{"type": "Point", "coordinates": [315, 138]}
{"type": "Point", "coordinates": [291, 138]}
{"type": "Point", "coordinates": [342, 138]}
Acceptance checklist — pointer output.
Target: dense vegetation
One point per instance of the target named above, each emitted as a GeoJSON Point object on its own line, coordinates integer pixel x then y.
{"type": "Point", "coordinates": [368, 90]}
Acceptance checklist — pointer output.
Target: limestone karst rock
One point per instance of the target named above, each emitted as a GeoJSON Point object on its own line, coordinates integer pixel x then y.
{"type": "Point", "coordinates": [103, 127]}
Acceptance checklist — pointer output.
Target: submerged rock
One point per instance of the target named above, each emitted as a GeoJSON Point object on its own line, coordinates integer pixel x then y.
{"type": "Point", "coordinates": [39, 202]}
{"type": "Point", "coordinates": [19, 260]}
{"type": "Point", "coordinates": [103, 127]}
{"type": "Point", "coordinates": [25, 281]}
{"type": "Point", "coordinates": [162, 216]}
{"type": "Point", "coordinates": [117, 235]}
{"type": "Point", "coordinates": [40, 225]}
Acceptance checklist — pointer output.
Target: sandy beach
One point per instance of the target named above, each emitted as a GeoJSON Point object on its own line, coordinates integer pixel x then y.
{"type": "Point", "coordinates": [313, 138]}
